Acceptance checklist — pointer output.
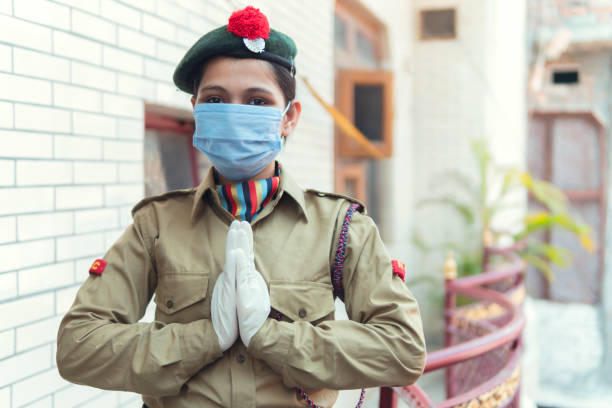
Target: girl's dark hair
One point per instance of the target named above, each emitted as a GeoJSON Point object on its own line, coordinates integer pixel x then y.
{"type": "Point", "coordinates": [284, 79]}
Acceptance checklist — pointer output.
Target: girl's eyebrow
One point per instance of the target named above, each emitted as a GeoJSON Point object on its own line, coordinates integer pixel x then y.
{"type": "Point", "coordinates": [214, 88]}
{"type": "Point", "coordinates": [256, 89]}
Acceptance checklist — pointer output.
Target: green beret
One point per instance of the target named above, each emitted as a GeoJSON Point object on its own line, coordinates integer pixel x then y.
{"type": "Point", "coordinates": [247, 35]}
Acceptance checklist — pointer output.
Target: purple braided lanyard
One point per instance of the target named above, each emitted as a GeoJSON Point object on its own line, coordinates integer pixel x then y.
{"type": "Point", "coordinates": [341, 251]}
{"type": "Point", "coordinates": [338, 289]}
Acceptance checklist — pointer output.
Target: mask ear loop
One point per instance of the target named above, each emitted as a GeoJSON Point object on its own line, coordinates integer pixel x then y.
{"type": "Point", "coordinates": [284, 112]}
{"type": "Point", "coordinates": [287, 108]}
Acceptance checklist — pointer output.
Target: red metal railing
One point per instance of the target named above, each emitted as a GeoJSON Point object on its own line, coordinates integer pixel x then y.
{"type": "Point", "coordinates": [482, 338]}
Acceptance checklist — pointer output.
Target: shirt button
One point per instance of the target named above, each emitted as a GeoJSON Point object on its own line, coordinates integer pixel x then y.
{"type": "Point", "coordinates": [240, 358]}
{"type": "Point", "coordinates": [302, 313]}
{"type": "Point", "coordinates": [170, 303]}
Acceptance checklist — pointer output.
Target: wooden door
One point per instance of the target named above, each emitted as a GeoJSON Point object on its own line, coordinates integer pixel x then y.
{"type": "Point", "coordinates": [568, 149]}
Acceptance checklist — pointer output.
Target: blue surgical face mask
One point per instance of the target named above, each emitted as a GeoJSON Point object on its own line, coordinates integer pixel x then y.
{"type": "Point", "coordinates": [239, 140]}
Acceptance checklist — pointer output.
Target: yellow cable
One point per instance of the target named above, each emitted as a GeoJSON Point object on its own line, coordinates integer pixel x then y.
{"type": "Point", "coordinates": [345, 125]}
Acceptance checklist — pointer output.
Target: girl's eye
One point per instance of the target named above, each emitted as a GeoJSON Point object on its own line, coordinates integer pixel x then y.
{"type": "Point", "coordinates": [257, 101]}
{"type": "Point", "coordinates": [213, 99]}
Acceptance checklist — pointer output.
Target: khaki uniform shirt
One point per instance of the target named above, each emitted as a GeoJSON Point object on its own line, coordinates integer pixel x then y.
{"type": "Point", "coordinates": [175, 249]}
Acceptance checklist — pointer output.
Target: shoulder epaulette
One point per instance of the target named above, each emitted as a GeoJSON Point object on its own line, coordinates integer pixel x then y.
{"type": "Point", "coordinates": [161, 197]}
{"type": "Point", "coordinates": [337, 196]}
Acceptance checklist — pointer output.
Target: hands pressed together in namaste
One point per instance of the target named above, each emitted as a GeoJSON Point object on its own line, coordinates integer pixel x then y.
{"type": "Point", "coordinates": [240, 301]}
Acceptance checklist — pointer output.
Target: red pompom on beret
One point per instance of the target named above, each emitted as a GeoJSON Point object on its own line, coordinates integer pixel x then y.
{"type": "Point", "coordinates": [249, 23]}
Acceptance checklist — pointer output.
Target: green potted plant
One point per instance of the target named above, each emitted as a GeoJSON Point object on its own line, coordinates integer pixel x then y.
{"type": "Point", "coordinates": [477, 201]}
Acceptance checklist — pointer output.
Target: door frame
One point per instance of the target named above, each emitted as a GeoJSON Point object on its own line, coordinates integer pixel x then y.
{"type": "Point", "coordinates": [578, 195]}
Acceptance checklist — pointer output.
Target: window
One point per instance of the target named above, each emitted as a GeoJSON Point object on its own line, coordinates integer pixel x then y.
{"type": "Point", "coordinates": [170, 160]}
{"type": "Point", "coordinates": [340, 32]}
{"type": "Point", "coordinates": [350, 180]}
{"type": "Point", "coordinates": [359, 36]}
{"type": "Point", "coordinates": [565, 77]}
{"type": "Point", "coordinates": [366, 50]}
{"type": "Point", "coordinates": [368, 110]}
{"type": "Point", "coordinates": [438, 24]}
{"type": "Point", "coordinates": [365, 97]}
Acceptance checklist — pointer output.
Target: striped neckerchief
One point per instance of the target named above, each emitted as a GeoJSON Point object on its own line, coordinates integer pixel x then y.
{"type": "Point", "coordinates": [246, 200]}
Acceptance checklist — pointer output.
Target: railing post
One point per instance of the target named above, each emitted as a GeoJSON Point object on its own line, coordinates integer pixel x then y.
{"type": "Point", "coordinates": [450, 299]}
{"type": "Point", "coordinates": [388, 398]}
{"type": "Point", "coordinates": [487, 242]}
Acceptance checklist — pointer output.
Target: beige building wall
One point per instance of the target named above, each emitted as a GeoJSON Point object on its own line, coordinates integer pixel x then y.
{"type": "Point", "coordinates": [471, 87]}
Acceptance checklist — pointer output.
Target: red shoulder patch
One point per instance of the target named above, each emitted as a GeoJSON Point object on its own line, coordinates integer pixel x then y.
{"type": "Point", "coordinates": [97, 267]}
{"type": "Point", "coordinates": [399, 269]}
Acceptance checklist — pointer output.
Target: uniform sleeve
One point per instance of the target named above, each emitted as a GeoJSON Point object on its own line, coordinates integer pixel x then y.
{"type": "Point", "coordinates": [100, 342]}
{"type": "Point", "coordinates": [381, 344]}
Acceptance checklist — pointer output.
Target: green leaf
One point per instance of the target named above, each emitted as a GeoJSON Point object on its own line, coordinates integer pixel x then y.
{"type": "Point", "coordinates": [511, 176]}
{"type": "Point", "coordinates": [457, 180]}
{"type": "Point", "coordinates": [480, 151]}
{"type": "Point", "coordinates": [558, 255]}
{"type": "Point", "coordinates": [468, 266]}
{"type": "Point", "coordinates": [541, 265]}
{"type": "Point", "coordinates": [464, 210]}
{"type": "Point", "coordinates": [546, 193]}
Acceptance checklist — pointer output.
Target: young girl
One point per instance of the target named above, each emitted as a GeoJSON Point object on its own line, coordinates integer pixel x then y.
{"type": "Point", "coordinates": [244, 267]}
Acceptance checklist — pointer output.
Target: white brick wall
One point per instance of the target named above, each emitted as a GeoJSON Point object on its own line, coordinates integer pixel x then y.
{"type": "Point", "coordinates": [77, 98]}
{"type": "Point", "coordinates": [121, 14]}
{"type": "Point", "coordinates": [78, 197]}
{"type": "Point", "coordinates": [36, 387]}
{"type": "Point", "coordinates": [25, 364]}
{"type": "Point", "coordinates": [8, 288]}
{"type": "Point", "coordinates": [76, 47]}
{"type": "Point", "coordinates": [74, 79]}
{"type": "Point", "coordinates": [7, 343]}
{"type": "Point", "coordinates": [42, 119]}
{"type": "Point", "coordinates": [25, 34]}
{"type": "Point", "coordinates": [37, 334]}
{"type": "Point", "coordinates": [26, 254]}
{"type": "Point", "coordinates": [94, 27]}
{"type": "Point", "coordinates": [28, 63]}
{"type": "Point", "coordinates": [94, 125]}
{"type": "Point", "coordinates": [46, 277]}
{"type": "Point", "coordinates": [8, 229]}
{"type": "Point", "coordinates": [136, 41]}
{"type": "Point", "coordinates": [43, 12]}
{"type": "Point", "coordinates": [25, 144]}
{"type": "Point", "coordinates": [77, 147]}
{"type": "Point", "coordinates": [45, 225]}
{"type": "Point", "coordinates": [24, 310]}
{"type": "Point", "coordinates": [25, 200]}
{"type": "Point", "coordinates": [6, 6]}
{"type": "Point", "coordinates": [22, 89]}
{"type": "Point", "coordinates": [92, 172]}
{"type": "Point", "coordinates": [7, 172]}
{"type": "Point", "coordinates": [6, 108]}
{"type": "Point", "coordinates": [40, 172]}
{"type": "Point", "coordinates": [120, 60]}
{"type": "Point", "coordinates": [92, 76]}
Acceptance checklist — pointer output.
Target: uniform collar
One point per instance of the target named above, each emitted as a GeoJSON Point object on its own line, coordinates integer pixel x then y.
{"type": "Point", "coordinates": [287, 185]}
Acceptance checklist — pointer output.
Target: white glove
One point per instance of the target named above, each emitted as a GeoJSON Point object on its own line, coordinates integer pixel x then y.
{"type": "Point", "coordinates": [252, 297]}
{"type": "Point", "coordinates": [223, 301]}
